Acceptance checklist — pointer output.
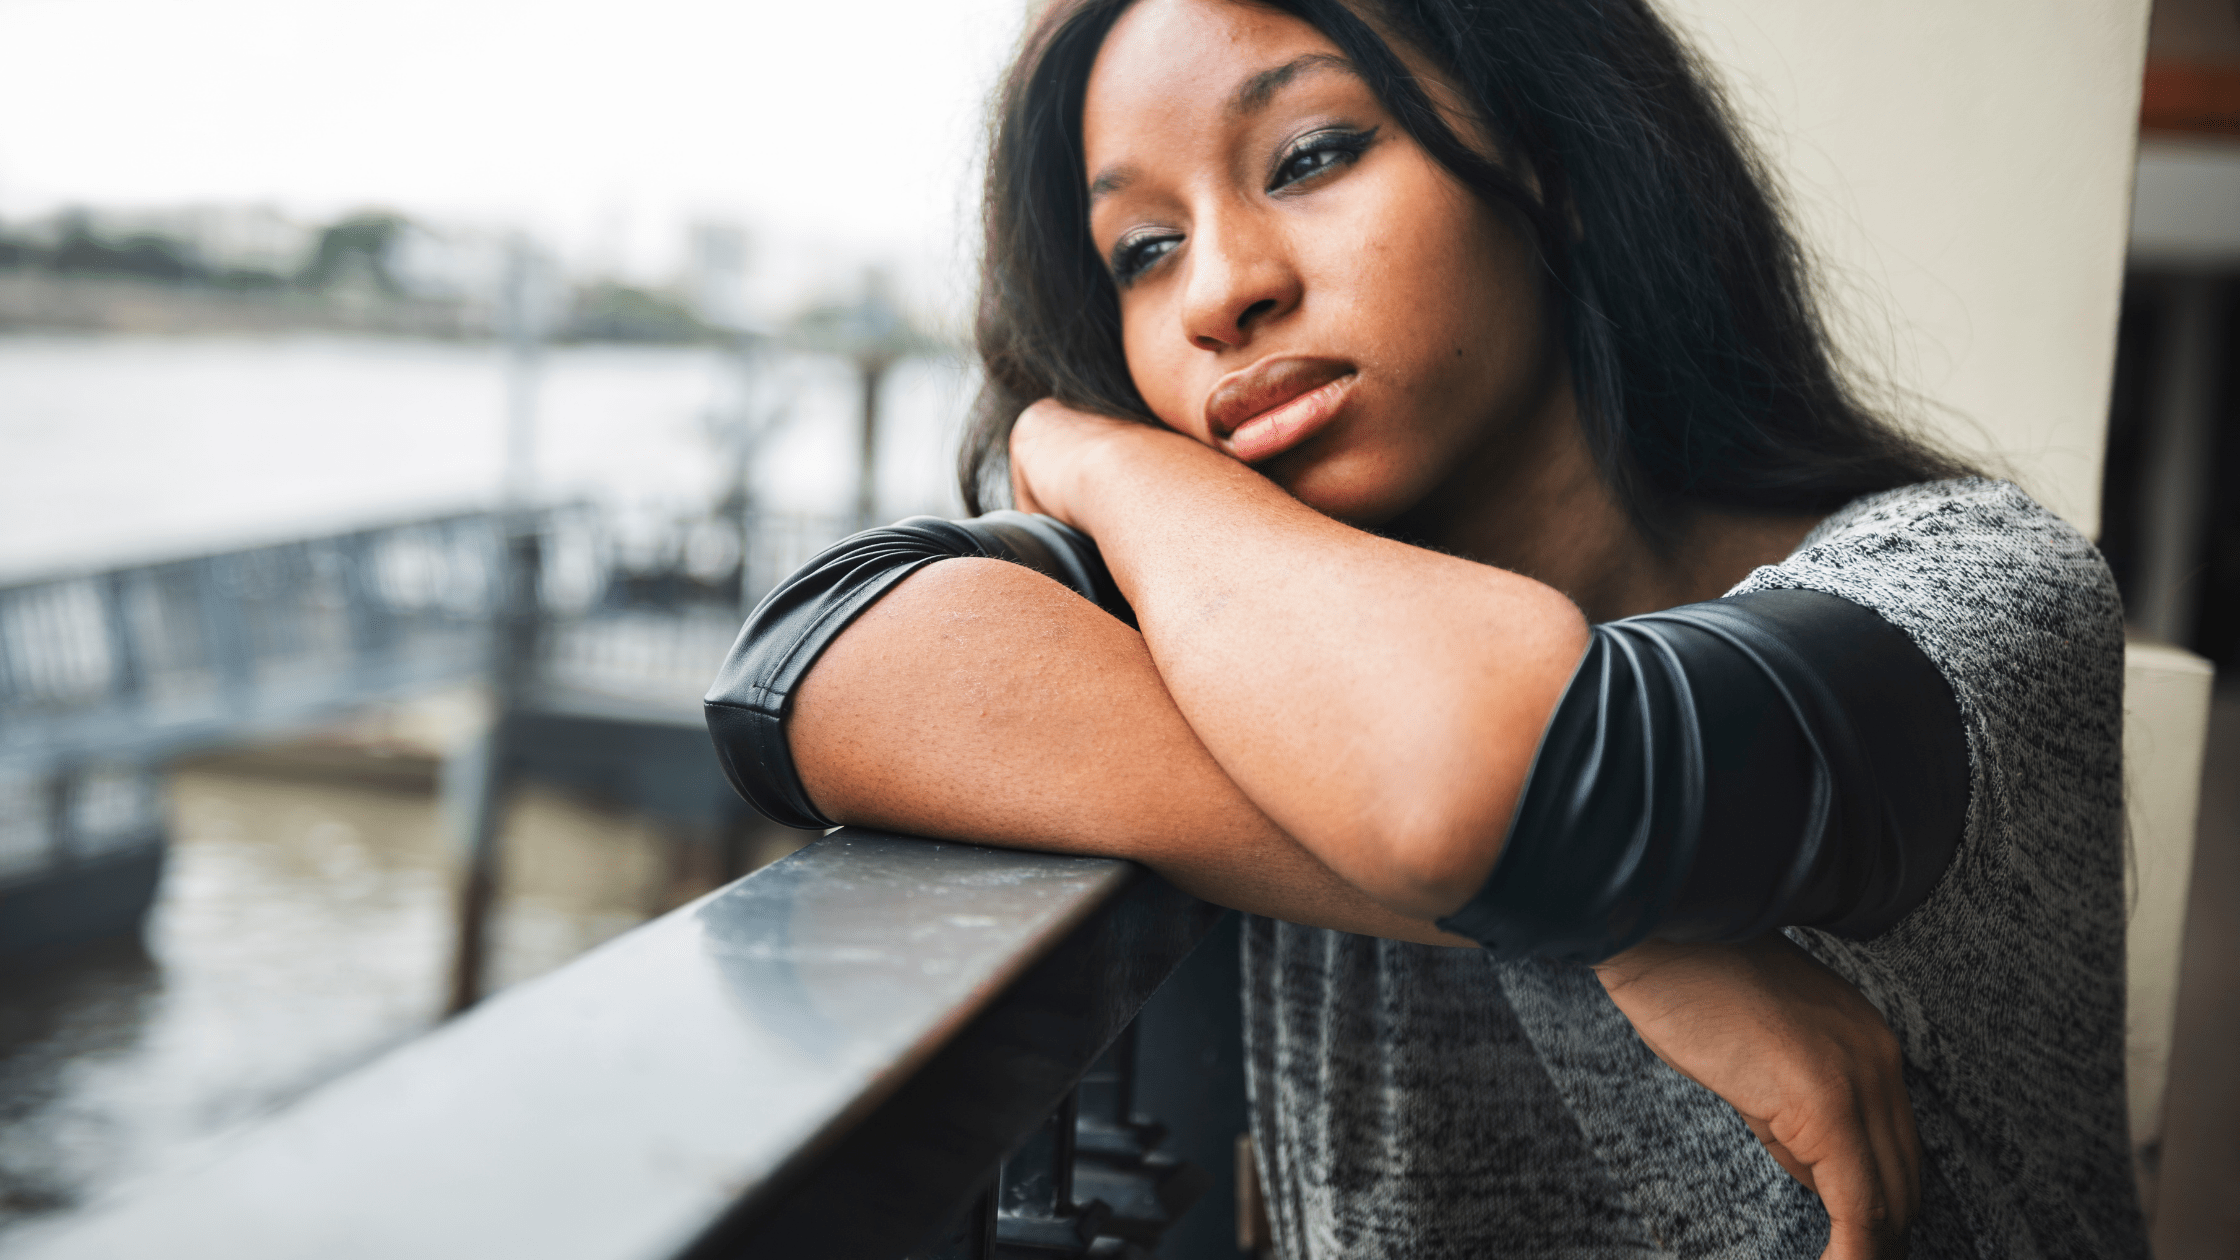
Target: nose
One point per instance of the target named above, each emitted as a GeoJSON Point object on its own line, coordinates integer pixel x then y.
{"type": "Point", "coordinates": [1241, 277]}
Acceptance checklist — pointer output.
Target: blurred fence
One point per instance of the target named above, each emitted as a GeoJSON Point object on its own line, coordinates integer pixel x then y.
{"type": "Point", "coordinates": [106, 675]}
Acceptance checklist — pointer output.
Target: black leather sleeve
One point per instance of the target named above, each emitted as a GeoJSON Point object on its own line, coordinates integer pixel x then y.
{"type": "Point", "coordinates": [1715, 771]}
{"type": "Point", "coordinates": [746, 709]}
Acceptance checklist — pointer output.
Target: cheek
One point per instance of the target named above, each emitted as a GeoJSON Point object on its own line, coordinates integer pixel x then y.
{"type": "Point", "coordinates": [1452, 265]}
{"type": "Point", "coordinates": [1446, 307]}
{"type": "Point", "coordinates": [1473, 312]}
{"type": "Point", "coordinates": [1412, 271]}
{"type": "Point", "coordinates": [1162, 368]}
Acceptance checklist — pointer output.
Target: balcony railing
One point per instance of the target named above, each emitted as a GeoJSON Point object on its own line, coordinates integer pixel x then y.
{"type": "Point", "coordinates": [876, 1048]}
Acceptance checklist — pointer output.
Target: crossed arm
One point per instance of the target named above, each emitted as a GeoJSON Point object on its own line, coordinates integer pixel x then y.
{"type": "Point", "coordinates": [1311, 723]}
{"type": "Point", "coordinates": [1314, 724]}
{"type": "Point", "coordinates": [982, 701]}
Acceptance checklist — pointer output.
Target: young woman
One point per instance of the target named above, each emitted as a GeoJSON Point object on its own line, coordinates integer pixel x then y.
{"type": "Point", "coordinates": [1680, 813]}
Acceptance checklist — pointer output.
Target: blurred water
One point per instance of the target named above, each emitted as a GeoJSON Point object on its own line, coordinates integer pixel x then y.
{"type": "Point", "coordinates": [122, 448]}
{"type": "Point", "coordinates": [304, 927]}
{"type": "Point", "coordinates": [301, 929]}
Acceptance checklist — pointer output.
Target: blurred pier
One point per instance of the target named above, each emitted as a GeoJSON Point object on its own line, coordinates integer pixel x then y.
{"type": "Point", "coordinates": [593, 648]}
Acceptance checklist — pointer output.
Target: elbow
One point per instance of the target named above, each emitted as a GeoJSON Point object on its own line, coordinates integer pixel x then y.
{"type": "Point", "coordinates": [1426, 794]}
{"type": "Point", "coordinates": [1436, 819]}
{"type": "Point", "coordinates": [1429, 860]}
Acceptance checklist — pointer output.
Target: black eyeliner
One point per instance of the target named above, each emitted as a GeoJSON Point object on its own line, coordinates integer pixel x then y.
{"type": "Point", "coordinates": [1124, 269]}
{"type": "Point", "coordinates": [1347, 143]}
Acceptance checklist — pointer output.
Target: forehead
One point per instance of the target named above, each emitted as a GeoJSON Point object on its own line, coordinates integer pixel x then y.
{"type": "Point", "coordinates": [1190, 64]}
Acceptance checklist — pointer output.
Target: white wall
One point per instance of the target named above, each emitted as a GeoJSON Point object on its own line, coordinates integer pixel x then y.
{"type": "Point", "coordinates": [1964, 166]}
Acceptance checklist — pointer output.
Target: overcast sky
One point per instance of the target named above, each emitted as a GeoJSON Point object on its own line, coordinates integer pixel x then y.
{"type": "Point", "coordinates": [839, 133]}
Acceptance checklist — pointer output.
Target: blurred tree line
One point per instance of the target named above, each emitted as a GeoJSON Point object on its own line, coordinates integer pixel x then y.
{"type": "Point", "coordinates": [363, 258]}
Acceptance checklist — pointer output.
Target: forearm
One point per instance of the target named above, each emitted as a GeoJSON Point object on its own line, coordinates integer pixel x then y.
{"type": "Point", "coordinates": [1380, 702]}
{"type": "Point", "coordinates": [981, 701]}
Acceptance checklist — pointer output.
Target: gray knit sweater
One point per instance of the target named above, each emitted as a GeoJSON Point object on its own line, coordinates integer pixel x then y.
{"type": "Point", "coordinates": [1416, 1102]}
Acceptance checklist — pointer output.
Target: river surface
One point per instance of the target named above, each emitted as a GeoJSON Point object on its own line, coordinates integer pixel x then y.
{"type": "Point", "coordinates": [126, 448]}
{"type": "Point", "coordinates": [304, 925]}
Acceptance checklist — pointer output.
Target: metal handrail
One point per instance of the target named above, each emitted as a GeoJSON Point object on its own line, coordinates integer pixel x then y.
{"type": "Point", "coordinates": [826, 1058]}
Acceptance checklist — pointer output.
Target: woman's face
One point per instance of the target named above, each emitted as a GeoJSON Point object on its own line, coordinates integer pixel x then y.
{"type": "Point", "coordinates": [1302, 285]}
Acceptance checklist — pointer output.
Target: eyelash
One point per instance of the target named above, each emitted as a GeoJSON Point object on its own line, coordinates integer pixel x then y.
{"type": "Point", "coordinates": [1132, 256]}
{"type": "Point", "coordinates": [1338, 147]}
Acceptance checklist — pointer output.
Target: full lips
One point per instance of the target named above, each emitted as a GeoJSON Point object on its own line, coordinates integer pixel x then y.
{"type": "Point", "coordinates": [1274, 405]}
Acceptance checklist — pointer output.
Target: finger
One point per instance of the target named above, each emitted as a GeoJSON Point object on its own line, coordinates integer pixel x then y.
{"type": "Point", "coordinates": [1896, 1142]}
{"type": "Point", "coordinates": [1897, 1193]}
{"type": "Point", "coordinates": [1892, 1158]}
{"type": "Point", "coordinates": [1853, 1188]}
{"type": "Point", "coordinates": [1903, 1160]}
{"type": "Point", "coordinates": [1853, 1236]}
{"type": "Point", "coordinates": [1022, 497]}
{"type": "Point", "coordinates": [1854, 1241]}
{"type": "Point", "coordinates": [1782, 1155]}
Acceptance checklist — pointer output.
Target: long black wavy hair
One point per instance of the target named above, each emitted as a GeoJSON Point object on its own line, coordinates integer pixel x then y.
{"type": "Point", "coordinates": [1703, 371]}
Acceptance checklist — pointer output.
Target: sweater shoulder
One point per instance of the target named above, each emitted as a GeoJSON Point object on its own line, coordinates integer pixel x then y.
{"type": "Point", "coordinates": [1992, 586]}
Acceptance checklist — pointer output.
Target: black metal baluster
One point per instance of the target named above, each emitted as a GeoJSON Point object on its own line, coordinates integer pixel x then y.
{"type": "Point", "coordinates": [973, 1235]}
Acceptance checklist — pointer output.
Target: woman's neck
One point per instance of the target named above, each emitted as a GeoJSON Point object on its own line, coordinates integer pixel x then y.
{"type": "Point", "coordinates": [1534, 502]}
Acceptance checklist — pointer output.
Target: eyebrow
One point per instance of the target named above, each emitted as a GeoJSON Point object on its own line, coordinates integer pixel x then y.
{"type": "Point", "coordinates": [1110, 180]}
{"type": "Point", "coordinates": [1251, 95]}
{"type": "Point", "coordinates": [1255, 93]}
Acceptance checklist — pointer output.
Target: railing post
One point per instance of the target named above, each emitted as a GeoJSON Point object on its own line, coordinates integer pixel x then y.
{"type": "Point", "coordinates": [371, 617]}
{"type": "Point", "coordinates": [126, 677]}
{"type": "Point", "coordinates": [60, 798]}
{"type": "Point", "coordinates": [1038, 1179]}
{"type": "Point", "coordinates": [1035, 1211]}
{"type": "Point", "coordinates": [226, 648]}
{"type": "Point", "coordinates": [1109, 1090]}
{"type": "Point", "coordinates": [10, 622]}
{"type": "Point", "coordinates": [973, 1237]}
{"type": "Point", "coordinates": [482, 798]}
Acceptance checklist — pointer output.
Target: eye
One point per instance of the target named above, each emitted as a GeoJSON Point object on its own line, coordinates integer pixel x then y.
{"type": "Point", "coordinates": [1315, 154]}
{"type": "Point", "coordinates": [1133, 255]}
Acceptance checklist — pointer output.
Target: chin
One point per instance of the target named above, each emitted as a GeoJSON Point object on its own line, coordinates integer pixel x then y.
{"type": "Point", "coordinates": [1345, 491]}
{"type": "Point", "coordinates": [1355, 473]}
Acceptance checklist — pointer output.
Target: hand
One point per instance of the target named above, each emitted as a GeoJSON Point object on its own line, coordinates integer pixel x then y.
{"type": "Point", "coordinates": [1054, 448]}
{"type": "Point", "coordinates": [1807, 1061]}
